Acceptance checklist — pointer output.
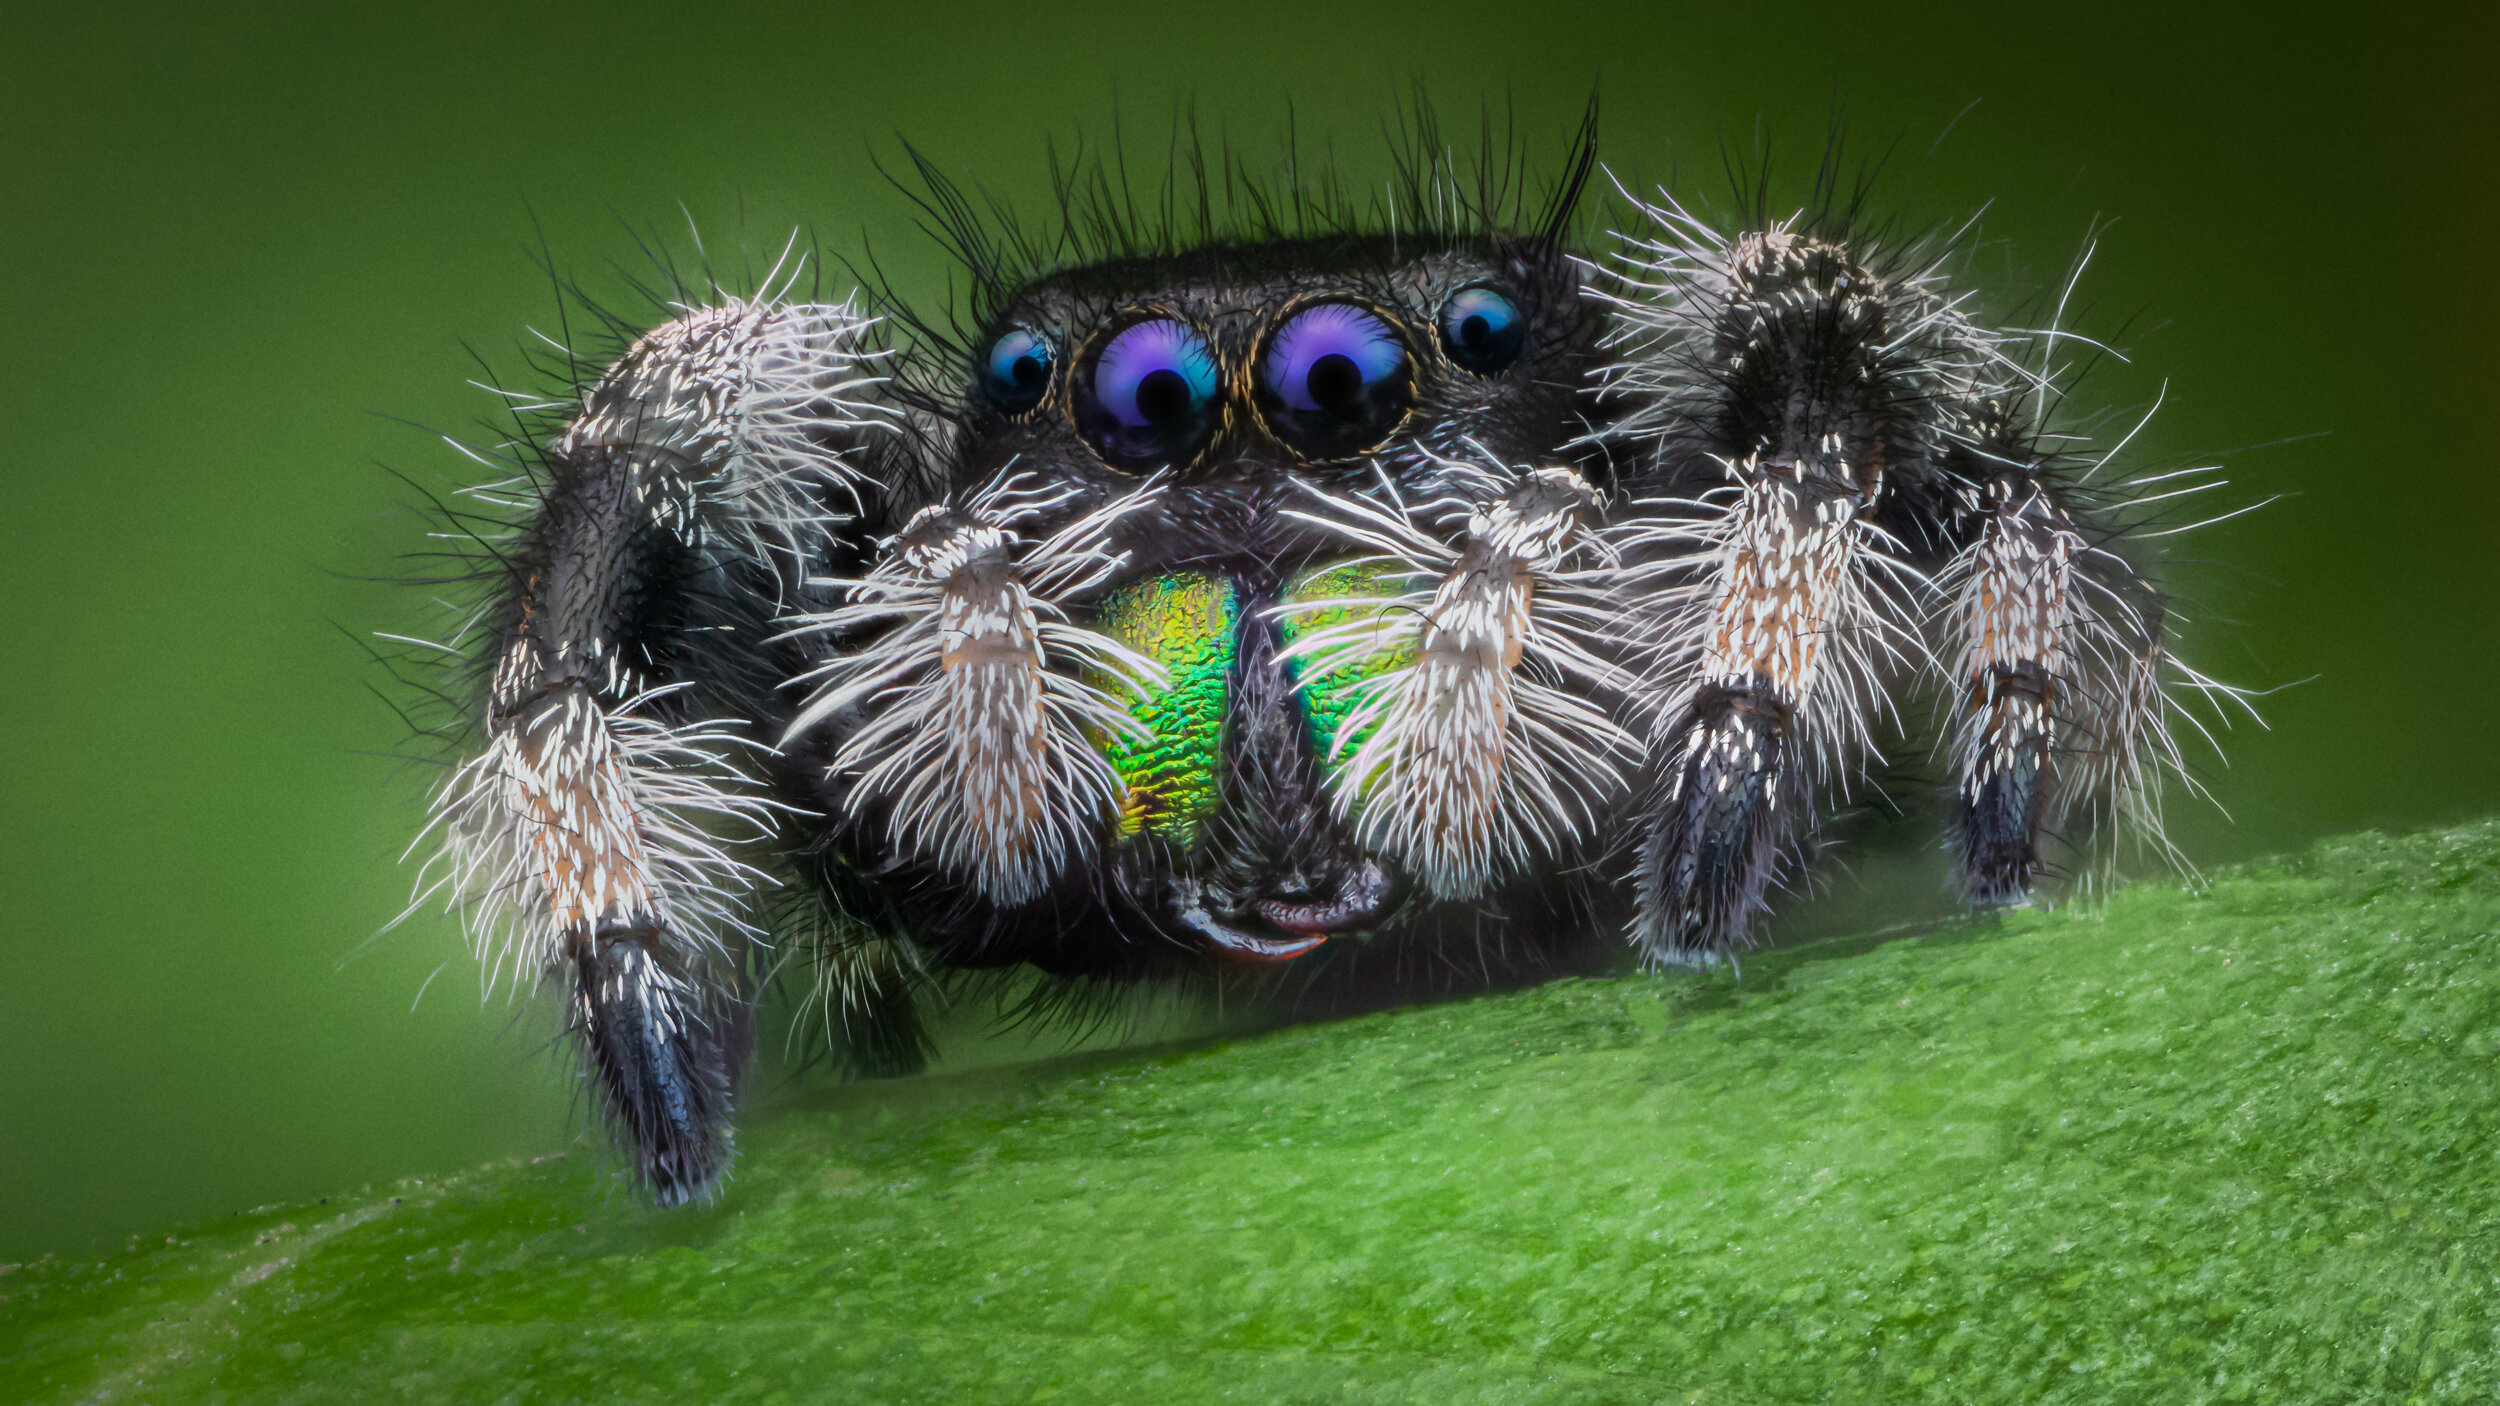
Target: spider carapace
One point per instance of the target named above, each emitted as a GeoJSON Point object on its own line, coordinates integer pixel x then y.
{"type": "Point", "coordinates": [1400, 597]}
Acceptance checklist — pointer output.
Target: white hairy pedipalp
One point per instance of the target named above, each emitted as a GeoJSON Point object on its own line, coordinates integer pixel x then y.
{"type": "Point", "coordinates": [1469, 765]}
{"type": "Point", "coordinates": [976, 716]}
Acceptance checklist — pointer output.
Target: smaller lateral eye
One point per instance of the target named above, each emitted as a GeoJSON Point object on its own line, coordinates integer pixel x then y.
{"type": "Point", "coordinates": [1482, 330]}
{"type": "Point", "coordinates": [1016, 373]}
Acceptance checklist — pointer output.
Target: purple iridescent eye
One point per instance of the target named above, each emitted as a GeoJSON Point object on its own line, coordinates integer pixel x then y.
{"type": "Point", "coordinates": [1335, 381]}
{"type": "Point", "coordinates": [1149, 398]}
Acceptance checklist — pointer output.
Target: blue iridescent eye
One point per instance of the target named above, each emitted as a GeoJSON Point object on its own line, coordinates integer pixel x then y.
{"type": "Point", "coordinates": [1016, 373]}
{"type": "Point", "coordinates": [1149, 398]}
{"type": "Point", "coordinates": [1335, 381]}
{"type": "Point", "coordinates": [1481, 330]}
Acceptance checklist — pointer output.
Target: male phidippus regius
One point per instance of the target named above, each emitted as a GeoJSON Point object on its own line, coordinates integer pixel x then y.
{"type": "Point", "coordinates": [1398, 597]}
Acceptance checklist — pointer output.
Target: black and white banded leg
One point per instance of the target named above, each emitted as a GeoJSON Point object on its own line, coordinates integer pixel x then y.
{"type": "Point", "coordinates": [2057, 651]}
{"type": "Point", "coordinates": [1782, 394]}
{"type": "Point", "coordinates": [607, 834]}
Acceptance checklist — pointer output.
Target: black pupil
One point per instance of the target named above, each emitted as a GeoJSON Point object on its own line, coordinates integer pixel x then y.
{"type": "Point", "coordinates": [1163, 396]}
{"type": "Point", "coordinates": [1027, 372]}
{"type": "Point", "coordinates": [1475, 330]}
{"type": "Point", "coordinates": [1335, 384]}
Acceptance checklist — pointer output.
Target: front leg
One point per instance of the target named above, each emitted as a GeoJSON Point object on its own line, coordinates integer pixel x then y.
{"type": "Point", "coordinates": [594, 836]}
{"type": "Point", "coordinates": [1781, 390]}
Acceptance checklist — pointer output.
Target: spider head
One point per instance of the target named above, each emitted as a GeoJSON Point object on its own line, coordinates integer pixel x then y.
{"type": "Point", "coordinates": [1254, 385]}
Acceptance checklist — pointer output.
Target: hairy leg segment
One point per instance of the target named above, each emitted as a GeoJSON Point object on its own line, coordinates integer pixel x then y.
{"type": "Point", "coordinates": [604, 835]}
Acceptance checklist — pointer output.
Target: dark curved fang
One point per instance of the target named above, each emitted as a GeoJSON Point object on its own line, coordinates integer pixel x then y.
{"type": "Point", "coordinates": [1233, 942]}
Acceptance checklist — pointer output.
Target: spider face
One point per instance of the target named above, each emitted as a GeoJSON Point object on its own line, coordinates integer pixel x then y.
{"type": "Point", "coordinates": [1245, 383]}
{"type": "Point", "coordinates": [1404, 604]}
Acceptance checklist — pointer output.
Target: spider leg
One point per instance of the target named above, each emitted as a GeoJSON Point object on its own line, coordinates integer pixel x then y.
{"type": "Point", "coordinates": [601, 834]}
{"type": "Point", "coordinates": [1784, 394]}
{"type": "Point", "coordinates": [2057, 657]}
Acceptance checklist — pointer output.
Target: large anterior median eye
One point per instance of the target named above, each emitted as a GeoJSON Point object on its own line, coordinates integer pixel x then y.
{"type": "Point", "coordinates": [1149, 398]}
{"type": "Point", "coordinates": [1335, 381]}
{"type": "Point", "coordinates": [1481, 330]}
{"type": "Point", "coordinates": [1016, 373]}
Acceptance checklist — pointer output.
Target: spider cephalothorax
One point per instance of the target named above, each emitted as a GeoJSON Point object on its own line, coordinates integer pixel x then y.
{"type": "Point", "coordinates": [1130, 621]}
{"type": "Point", "coordinates": [1375, 599]}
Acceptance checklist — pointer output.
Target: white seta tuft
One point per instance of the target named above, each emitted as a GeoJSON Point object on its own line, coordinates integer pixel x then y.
{"type": "Point", "coordinates": [1471, 759]}
{"type": "Point", "coordinates": [578, 820]}
{"type": "Point", "coordinates": [737, 413]}
{"type": "Point", "coordinates": [972, 716]}
{"type": "Point", "coordinates": [1767, 583]}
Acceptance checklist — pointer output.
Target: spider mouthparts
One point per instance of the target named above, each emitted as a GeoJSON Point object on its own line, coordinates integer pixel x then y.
{"type": "Point", "coordinates": [1242, 946]}
{"type": "Point", "coordinates": [1312, 920]}
{"type": "Point", "coordinates": [1355, 905]}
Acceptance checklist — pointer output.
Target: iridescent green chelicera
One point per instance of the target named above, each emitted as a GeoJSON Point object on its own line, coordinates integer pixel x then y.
{"type": "Point", "coordinates": [1331, 687]}
{"type": "Point", "coordinates": [1186, 623]}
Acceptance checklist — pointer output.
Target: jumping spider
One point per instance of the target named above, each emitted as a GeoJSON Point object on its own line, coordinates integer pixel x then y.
{"type": "Point", "coordinates": [1381, 595]}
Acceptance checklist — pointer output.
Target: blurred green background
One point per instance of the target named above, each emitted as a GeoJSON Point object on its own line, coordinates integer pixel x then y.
{"type": "Point", "coordinates": [239, 242]}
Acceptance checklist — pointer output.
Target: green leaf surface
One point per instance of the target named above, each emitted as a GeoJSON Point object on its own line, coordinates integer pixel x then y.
{"type": "Point", "coordinates": [2221, 1145]}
